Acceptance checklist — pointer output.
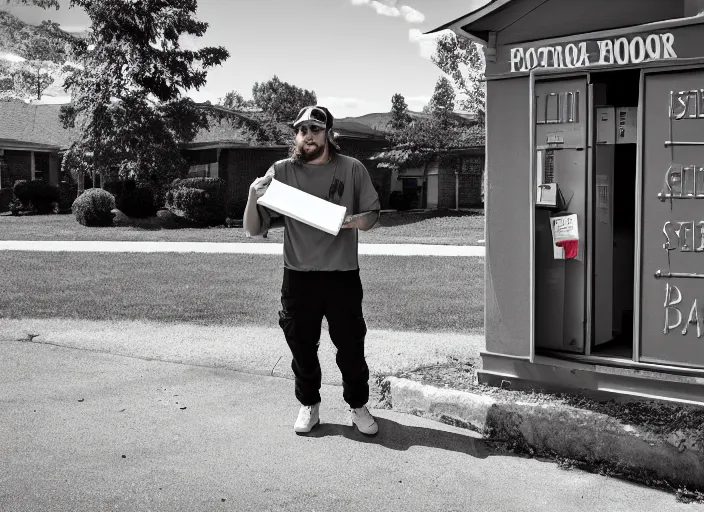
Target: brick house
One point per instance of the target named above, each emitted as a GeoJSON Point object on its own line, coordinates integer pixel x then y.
{"type": "Point", "coordinates": [31, 144]}
{"type": "Point", "coordinates": [452, 179]}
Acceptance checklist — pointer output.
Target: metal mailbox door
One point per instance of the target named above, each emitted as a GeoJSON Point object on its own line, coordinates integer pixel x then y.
{"type": "Point", "coordinates": [560, 131]}
{"type": "Point", "coordinates": [672, 251]}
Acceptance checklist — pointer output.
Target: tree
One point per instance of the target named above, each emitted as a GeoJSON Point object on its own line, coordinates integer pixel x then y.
{"type": "Point", "coordinates": [399, 112]}
{"type": "Point", "coordinates": [460, 58]}
{"type": "Point", "coordinates": [41, 51]}
{"type": "Point", "coordinates": [44, 4]}
{"type": "Point", "coordinates": [127, 96]}
{"type": "Point", "coordinates": [442, 102]}
{"type": "Point", "coordinates": [280, 99]}
{"type": "Point", "coordinates": [45, 54]}
{"type": "Point", "coordinates": [234, 101]}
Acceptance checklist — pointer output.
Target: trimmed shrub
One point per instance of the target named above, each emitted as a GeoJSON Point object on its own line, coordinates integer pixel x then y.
{"type": "Point", "coordinates": [37, 195]}
{"type": "Point", "coordinates": [195, 205]}
{"type": "Point", "coordinates": [200, 200]}
{"type": "Point", "coordinates": [21, 191]}
{"type": "Point", "coordinates": [94, 207]}
{"type": "Point", "coordinates": [200, 183]}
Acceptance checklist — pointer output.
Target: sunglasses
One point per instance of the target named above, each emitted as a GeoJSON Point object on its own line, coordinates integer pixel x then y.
{"type": "Point", "coordinates": [303, 129]}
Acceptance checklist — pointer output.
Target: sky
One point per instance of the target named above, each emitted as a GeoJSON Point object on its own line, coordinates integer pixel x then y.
{"type": "Point", "coordinates": [355, 54]}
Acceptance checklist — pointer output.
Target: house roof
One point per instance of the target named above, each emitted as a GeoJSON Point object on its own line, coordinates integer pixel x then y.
{"type": "Point", "coordinates": [25, 124]}
{"type": "Point", "coordinates": [472, 137]}
{"type": "Point", "coordinates": [463, 24]}
{"type": "Point", "coordinates": [32, 126]}
{"type": "Point", "coordinates": [354, 129]}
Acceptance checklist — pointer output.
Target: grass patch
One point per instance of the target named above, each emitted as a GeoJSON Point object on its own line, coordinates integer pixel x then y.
{"type": "Point", "coordinates": [400, 293]}
{"type": "Point", "coordinates": [443, 228]}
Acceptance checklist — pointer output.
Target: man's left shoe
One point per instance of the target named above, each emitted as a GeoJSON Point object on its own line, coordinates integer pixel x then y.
{"type": "Point", "coordinates": [362, 418]}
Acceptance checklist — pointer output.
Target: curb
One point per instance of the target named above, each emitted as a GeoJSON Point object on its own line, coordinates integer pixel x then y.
{"type": "Point", "coordinates": [562, 431]}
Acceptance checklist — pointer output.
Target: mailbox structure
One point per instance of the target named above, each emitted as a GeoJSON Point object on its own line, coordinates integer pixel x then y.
{"type": "Point", "coordinates": [594, 195]}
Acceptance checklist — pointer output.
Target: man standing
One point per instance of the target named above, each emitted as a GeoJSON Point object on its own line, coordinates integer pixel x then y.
{"type": "Point", "coordinates": [321, 271]}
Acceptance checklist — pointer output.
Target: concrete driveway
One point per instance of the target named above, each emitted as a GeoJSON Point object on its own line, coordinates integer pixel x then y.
{"type": "Point", "coordinates": [85, 431]}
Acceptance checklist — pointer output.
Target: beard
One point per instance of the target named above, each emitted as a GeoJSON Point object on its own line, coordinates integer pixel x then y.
{"type": "Point", "coordinates": [302, 153]}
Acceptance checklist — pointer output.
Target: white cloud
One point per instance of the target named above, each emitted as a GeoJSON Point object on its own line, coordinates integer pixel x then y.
{"type": "Point", "coordinates": [427, 43]}
{"type": "Point", "coordinates": [416, 103]}
{"type": "Point", "coordinates": [11, 57]}
{"type": "Point", "coordinates": [385, 10]}
{"type": "Point", "coordinates": [347, 107]}
{"type": "Point", "coordinates": [389, 8]}
{"type": "Point", "coordinates": [411, 15]}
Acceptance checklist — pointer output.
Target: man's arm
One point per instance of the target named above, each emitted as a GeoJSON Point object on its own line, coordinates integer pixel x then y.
{"type": "Point", "coordinates": [366, 205]}
{"type": "Point", "coordinates": [252, 221]}
{"type": "Point", "coordinates": [364, 221]}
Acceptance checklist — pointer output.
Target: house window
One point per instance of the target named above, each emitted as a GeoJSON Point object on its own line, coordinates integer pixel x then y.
{"type": "Point", "coordinates": [198, 171]}
{"type": "Point", "coordinates": [203, 171]}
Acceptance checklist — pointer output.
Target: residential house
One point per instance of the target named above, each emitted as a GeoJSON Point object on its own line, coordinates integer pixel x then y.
{"type": "Point", "coordinates": [31, 143]}
{"type": "Point", "coordinates": [452, 179]}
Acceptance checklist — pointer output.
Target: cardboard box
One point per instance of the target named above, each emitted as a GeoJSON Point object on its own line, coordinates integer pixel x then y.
{"type": "Point", "coordinates": [304, 207]}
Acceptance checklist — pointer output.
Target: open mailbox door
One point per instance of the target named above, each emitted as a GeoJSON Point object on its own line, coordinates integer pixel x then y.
{"type": "Point", "coordinates": [560, 113]}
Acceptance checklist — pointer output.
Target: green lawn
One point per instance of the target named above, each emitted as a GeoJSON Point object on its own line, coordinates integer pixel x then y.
{"type": "Point", "coordinates": [448, 228]}
{"type": "Point", "coordinates": [403, 293]}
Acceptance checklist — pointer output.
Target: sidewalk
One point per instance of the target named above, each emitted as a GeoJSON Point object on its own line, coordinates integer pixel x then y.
{"type": "Point", "coordinates": [234, 248]}
{"type": "Point", "coordinates": [544, 426]}
{"type": "Point", "coordinates": [89, 431]}
{"type": "Point", "coordinates": [250, 349]}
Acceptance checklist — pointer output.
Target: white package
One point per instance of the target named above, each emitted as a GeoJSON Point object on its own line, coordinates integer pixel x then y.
{"type": "Point", "coordinates": [304, 207]}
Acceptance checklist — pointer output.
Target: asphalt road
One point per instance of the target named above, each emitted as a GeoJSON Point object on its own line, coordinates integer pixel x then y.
{"type": "Point", "coordinates": [87, 431]}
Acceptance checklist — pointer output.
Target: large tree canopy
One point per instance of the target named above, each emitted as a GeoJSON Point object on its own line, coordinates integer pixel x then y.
{"type": "Point", "coordinates": [281, 99]}
{"type": "Point", "coordinates": [128, 104]}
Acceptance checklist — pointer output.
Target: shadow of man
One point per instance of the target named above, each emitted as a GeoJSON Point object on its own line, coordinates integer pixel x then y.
{"type": "Point", "coordinates": [396, 436]}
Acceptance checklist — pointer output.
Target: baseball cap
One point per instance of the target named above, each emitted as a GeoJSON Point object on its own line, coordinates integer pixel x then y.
{"type": "Point", "coordinates": [319, 116]}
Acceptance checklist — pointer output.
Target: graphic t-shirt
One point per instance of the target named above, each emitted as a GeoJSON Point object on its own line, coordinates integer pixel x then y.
{"type": "Point", "coordinates": [344, 181]}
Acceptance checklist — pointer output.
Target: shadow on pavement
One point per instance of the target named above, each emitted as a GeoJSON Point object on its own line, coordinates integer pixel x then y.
{"type": "Point", "coordinates": [395, 436]}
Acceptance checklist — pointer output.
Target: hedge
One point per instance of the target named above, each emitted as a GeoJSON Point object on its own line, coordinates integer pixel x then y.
{"type": "Point", "coordinates": [36, 195]}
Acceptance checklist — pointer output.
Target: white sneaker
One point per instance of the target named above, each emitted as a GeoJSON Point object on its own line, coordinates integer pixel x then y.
{"type": "Point", "coordinates": [308, 418]}
{"type": "Point", "coordinates": [364, 421]}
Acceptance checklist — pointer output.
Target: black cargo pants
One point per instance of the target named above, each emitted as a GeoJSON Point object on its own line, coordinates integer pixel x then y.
{"type": "Point", "coordinates": [307, 297]}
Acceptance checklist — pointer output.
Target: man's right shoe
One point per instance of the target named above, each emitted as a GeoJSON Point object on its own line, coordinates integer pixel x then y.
{"type": "Point", "coordinates": [308, 418]}
{"type": "Point", "coordinates": [364, 421]}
